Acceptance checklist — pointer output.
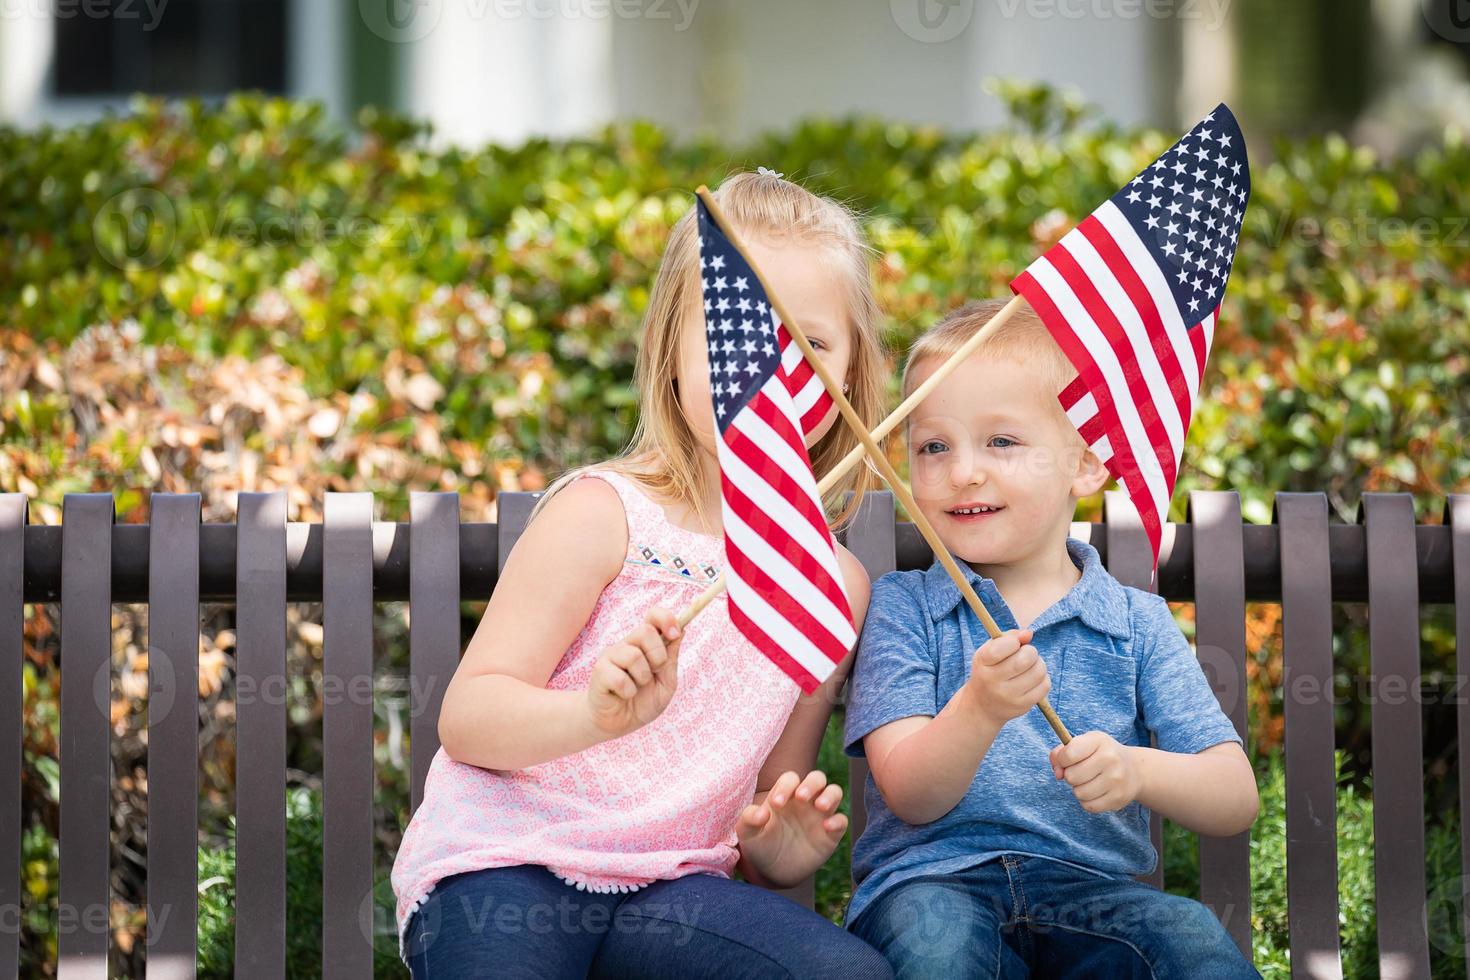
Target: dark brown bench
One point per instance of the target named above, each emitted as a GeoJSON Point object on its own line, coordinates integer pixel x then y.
{"type": "Point", "coordinates": [349, 562]}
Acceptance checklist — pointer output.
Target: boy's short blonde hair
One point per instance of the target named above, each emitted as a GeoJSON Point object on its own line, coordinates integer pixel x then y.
{"type": "Point", "coordinates": [1022, 338]}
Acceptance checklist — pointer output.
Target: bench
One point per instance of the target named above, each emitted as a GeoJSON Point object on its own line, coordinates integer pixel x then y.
{"type": "Point", "coordinates": [350, 561]}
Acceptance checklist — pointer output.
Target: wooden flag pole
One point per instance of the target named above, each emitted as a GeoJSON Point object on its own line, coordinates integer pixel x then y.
{"type": "Point", "coordinates": [893, 421]}
{"type": "Point", "coordinates": [876, 453]}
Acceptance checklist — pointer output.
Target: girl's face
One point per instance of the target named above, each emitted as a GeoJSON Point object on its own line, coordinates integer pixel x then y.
{"type": "Point", "coordinates": [804, 277]}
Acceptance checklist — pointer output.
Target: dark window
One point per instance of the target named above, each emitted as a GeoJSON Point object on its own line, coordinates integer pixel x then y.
{"type": "Point", "coordinates": [169, 47]}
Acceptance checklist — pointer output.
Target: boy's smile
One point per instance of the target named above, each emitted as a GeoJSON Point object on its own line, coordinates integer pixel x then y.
{"type": "Point", "coordinates": [994, 464]}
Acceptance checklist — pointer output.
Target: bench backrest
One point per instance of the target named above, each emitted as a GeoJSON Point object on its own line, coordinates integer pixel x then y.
{"type": "Point", "coordinates": [349, 562]}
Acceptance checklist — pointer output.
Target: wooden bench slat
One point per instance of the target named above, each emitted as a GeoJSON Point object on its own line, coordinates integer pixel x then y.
{"type": "Point", "coordinates": [1219, 574]}
{"type": "Point", "coordinates": [13, 519]}
{"type": "Point", "coordinates": [512, 510]}
{"type": "Point", "coordinates": [1398, 752]}
{"type": "Point", "coordinates": [1130, 561]}
{"type": "Point", "coordinates": [1457, 517]}
{"type": "Point", "coordinates": [433, 625]}
{"type": "Point", "coordinates": [347, 735]}
{"type": "Point", "coordinates": [86, 759]}
{"type": "Point", "coordinates": [1311, 793]}
{"type": "Point", "coordinates": [260, 737]}
{"type": "Point", "coordinates": [173, 735]}
{"type": "Point", "coordinates": [872, 538]}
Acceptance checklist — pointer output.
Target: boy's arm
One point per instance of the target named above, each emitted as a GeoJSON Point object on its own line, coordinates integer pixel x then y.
{"type": "Point", "coordinates": [923, 765]}
{"type": "Point", "coordinates": [1211, 792]}
{"type": "Point", "coordinates": [1199, 775]}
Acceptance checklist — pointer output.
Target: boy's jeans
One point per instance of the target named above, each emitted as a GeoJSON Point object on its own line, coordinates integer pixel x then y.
{"type": "Point", "coordinates": [1017, 914]}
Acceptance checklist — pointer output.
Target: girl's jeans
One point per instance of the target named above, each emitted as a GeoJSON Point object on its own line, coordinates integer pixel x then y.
{"type": "Point", "coordinates": [523, 921]}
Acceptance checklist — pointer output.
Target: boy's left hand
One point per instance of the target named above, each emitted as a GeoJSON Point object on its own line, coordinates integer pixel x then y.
{"type": "Point", "coordinates": [1102, 772]}
{"type": "Point", "coordinates": [793, 831]}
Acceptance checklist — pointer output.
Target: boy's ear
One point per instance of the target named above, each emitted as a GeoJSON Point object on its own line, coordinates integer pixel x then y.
{"type": "Point", "coordinates": [1091, 475]}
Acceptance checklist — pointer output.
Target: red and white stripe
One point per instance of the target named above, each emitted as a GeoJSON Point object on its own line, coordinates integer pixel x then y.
{"type": "Point", "coordinates": [808, 393]}
{"type": "Point", "coordinates": [1140, 366]}
{"type": "Point", "coordinates": [786, 591]}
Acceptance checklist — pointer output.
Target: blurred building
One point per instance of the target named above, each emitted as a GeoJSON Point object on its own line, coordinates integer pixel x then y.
{"type": "Point", "coordinates": [504, 70]}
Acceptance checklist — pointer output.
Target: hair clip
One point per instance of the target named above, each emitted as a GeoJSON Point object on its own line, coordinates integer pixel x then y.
{"type": "Point", "coordinates": [768, 172]}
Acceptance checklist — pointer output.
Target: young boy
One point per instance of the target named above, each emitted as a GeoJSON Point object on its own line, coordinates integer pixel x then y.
{"type": "Point", "coordinates": [991, 849]}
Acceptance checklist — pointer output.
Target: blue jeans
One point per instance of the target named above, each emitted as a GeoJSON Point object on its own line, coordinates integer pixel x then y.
{"type": "Point", "coordinates": [1021, 916]}
{"type": "Point", "coordinates": [523, 921]}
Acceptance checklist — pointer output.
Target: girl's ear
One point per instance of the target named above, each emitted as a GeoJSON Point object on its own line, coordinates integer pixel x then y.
{"type": "Point", "coordinates": [1091, 476]}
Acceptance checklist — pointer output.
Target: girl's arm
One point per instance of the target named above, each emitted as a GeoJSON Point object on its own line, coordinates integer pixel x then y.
{"type": "Point", "coordinates": [497, 712]}
{"type": "Point", "coordinates": [795, 752]}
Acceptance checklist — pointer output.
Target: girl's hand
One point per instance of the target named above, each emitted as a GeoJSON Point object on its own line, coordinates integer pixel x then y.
{"type": "Point", "coordinates": [791, 833]}
{"type": "Point", "coordinates": [634, 680]}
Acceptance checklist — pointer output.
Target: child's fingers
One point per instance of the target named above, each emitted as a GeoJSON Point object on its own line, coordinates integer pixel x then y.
{"type": "Point", "coordinates": [648, 639]}
{"type": "Point", "coordinates": [634, 660]}
{"type": "Point", "coordinates": [1024, 661]}
{"type": "Point", "coordinates": [1081, 747]}
{"type": "Point", "coordinates": [831, 796]}
{"type": "Point", "coordinates": [783, 788]}
{"type": "Point", "coordinates": [666, 622]}
{"type": "Point", "coordinates": [998, 649]}
{"type": "Point", "coordinates": [836, 825]}
{"type": "Point", "coordinates": [1084, 772]}
{"type": "Point", "coordinates": [811, 785]}
{"type": "Point", "coordinates": [752, 819]}
{"type": "Point", "coordinates": [608, 676]}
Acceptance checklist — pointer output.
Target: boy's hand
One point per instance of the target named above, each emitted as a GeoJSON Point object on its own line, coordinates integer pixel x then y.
{"type": "Point", "coordinates": [1007, 677]}
{"type": "Point", "coordinates": [633, 681]}
{"type": "Point", "coordinates": [1102, 772]}
{"type": "Point", "coordinates": [792, 832]}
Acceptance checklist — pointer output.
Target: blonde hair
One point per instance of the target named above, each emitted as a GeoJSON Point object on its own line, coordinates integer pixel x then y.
{"type": "Point", "coordinates": [663, 453]}
{"type": "Point", "coordinates": [1022, 338]}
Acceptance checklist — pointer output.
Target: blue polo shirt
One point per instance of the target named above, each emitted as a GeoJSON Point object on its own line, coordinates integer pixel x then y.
{"type": "Point", "coordinates": [1118, 664]}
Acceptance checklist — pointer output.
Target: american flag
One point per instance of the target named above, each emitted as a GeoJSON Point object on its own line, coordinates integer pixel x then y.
{"type": "Point", "coordinates": [1132, 295]}
{"type": "Point", "coordinates": [785, 587]}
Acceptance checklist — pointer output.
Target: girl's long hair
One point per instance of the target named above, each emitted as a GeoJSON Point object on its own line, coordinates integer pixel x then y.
{"type": "Point", "coordinates": [663, 454]}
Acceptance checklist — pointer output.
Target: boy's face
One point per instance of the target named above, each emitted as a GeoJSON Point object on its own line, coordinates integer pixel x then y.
{"type": "Point", "coordinates": [990, 436]}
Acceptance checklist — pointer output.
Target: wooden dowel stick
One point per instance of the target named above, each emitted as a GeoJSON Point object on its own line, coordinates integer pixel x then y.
{"type": "Point", "coordinates": [875, 452]}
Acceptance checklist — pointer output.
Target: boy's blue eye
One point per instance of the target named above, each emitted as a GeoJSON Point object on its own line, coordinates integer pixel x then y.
{"type": "Point", "coordinates": [924, 449]}
{"type": "Point", "coordinates": [1002, 442]}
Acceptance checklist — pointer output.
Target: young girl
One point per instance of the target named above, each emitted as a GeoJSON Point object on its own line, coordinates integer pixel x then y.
{"type": "Point", "coordinates": [602, 772]}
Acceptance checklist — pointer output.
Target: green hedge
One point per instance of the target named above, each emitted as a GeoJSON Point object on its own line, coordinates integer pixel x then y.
{"type": "Point", "coordinates": [1341, 362]}
{"type": "Point", "coordinates": [476, 313]}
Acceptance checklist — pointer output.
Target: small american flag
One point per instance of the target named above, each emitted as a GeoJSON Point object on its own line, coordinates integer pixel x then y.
{"type": "Point", "coordinates": [786, 593]}
{"type": "Point", "coordinates": [1132, 295]}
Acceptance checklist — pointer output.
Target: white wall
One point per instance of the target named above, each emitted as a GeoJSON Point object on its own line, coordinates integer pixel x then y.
{"type": "Point", "coordinates": [508, 69]}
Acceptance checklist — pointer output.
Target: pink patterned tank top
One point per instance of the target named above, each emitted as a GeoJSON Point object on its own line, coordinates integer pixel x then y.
{"type": "Point", "coordinates": [660, 802]}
